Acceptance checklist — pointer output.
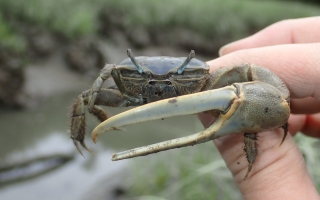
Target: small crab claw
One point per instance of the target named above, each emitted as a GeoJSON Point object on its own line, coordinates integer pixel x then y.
{"type": "Point", "coordinates": [248, 107]}
{"type": "Point", "coordinates": [75, 142]}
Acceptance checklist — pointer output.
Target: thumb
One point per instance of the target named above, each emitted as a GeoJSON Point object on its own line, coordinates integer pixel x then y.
{"type": "Point", "coordinates": [278, 172]}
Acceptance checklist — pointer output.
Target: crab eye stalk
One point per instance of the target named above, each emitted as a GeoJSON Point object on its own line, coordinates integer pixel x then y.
{"type": "Point", "coordinates": [191, 55]}
{"type": "Point", "coordinates": [134, 61]}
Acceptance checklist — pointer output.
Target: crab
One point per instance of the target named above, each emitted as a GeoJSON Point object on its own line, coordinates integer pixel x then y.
{"type": "Point", "coordinates": [246, 99]}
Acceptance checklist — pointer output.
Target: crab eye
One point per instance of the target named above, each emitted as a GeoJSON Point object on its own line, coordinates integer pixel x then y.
{"type": "Point", "coordinates": [186, 62]}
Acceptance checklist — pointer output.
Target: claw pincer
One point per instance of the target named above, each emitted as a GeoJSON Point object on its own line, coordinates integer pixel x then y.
{"type": "Point", "coordinates": [248, 98]}
{"type": "Point", "coordinates": [239, 107]}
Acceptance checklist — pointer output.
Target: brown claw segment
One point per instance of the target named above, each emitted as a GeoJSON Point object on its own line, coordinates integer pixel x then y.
{"type": "Point", "coordinates": [251, 150]}
{"type": "Point", "coordinates": [248, 171]}
{"type": "Point", "coordinates": [251, 147]}
{"type": "Point", "coordinates": [285, 129]}
{"type": "Point", "coordinates": [75, 142]}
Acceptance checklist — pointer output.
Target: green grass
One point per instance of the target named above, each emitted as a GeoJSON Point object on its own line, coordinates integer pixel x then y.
{"type": "Point", "coordinates": [186, 174]}
{"type": "Point", "coordinates": [9, 39]}
{"type": "Point", "coordinates": [72, 18]}
{"type": "Point", "coordinates": [199, 173]}
{"type": "Point", "coordinates": [310, 150]}
{"type": "Point", "coordinates": [216, 20]}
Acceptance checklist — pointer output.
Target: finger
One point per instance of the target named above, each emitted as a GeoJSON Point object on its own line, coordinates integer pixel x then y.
{"type": "Point", "coordinates": [312, 126]}
{"type": "Point", "coordinates": [271, 165]}
{"type": "Point", "coordinates": [296, 123]}
{"type": "Point", "coordinates": [206, 119]}
{"type": "Point", "coordinates": [307, 105]}
{"type": "Point", "coordinates": [298, 65]}
{"type": "Point", "coordinates": [270, 178]}
{"type": "Point", "coordinates": [303, 30]}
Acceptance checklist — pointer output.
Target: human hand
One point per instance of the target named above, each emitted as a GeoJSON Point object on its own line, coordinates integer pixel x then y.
{"type": "Point", "coordinates": [291, 49]}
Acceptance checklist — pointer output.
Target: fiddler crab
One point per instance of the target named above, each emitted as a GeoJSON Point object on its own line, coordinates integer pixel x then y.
{"type": "Point", "coordinates": [248, 99]}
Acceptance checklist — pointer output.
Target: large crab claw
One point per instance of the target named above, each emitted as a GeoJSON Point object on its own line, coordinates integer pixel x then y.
{"type": "Point", "coordinates": [248, 107]}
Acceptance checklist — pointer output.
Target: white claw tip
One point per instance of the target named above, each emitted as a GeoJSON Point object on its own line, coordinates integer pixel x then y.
{"type": "Point", "coordinates": [114, 157]}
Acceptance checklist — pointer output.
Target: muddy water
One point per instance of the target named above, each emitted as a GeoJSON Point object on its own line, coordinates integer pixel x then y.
{"type": "Point", "coordinates": [41, 131]}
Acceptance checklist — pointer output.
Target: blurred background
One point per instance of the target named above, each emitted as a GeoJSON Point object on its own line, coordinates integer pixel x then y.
{"type": "Point", "coordinates": [51, 51]}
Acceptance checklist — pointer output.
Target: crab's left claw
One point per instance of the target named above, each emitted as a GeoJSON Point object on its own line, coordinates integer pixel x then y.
{"type": "Point", "coordinates": [78, 121]}
{"type": "Point", "coordinates": [248, 107]}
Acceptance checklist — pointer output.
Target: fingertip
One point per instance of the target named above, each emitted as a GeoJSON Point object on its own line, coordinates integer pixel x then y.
{"type": "Point", "coordinates": [296, 123]}
{"type": "Point", "coordinates": [307, 124]}
{"type": "Point", "coordinates": [312, 126]}
{"type": "Point", "coordinates": [246, 43]}
{"type": "Point", "coordinates": [222, 50]}
{"type": "Point", "coordinates": [228, 48]}
{"type": "Point", "coordinates": [302, 30]}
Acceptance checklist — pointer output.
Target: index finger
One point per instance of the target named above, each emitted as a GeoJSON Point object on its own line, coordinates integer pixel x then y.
{"type": "Point", "coordinates": [305, 30]}
{"type": "Point", "coordinates": [298, 65]}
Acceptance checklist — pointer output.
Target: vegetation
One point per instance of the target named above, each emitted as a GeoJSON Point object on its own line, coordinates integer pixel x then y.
{"type": "Point", "coordinates": [9, 39]}
{"type": "Point", "coordinates": [214, 19]}
{"type": "Point", "coordinates": [186, 174]}
{"type": "Point", "coordinates": [199, 174]}
{"type": "Point", "coordinates": [71, 18]}
{"type": "Point", "coordinates": [217, 20]}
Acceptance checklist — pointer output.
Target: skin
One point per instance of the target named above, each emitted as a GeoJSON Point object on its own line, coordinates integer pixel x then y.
{"type": "Point", "coordinates": [291, 49]}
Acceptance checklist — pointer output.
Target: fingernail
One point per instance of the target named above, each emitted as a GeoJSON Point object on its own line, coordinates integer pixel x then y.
{"type": "Point", "coordinates": [223, 49]}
